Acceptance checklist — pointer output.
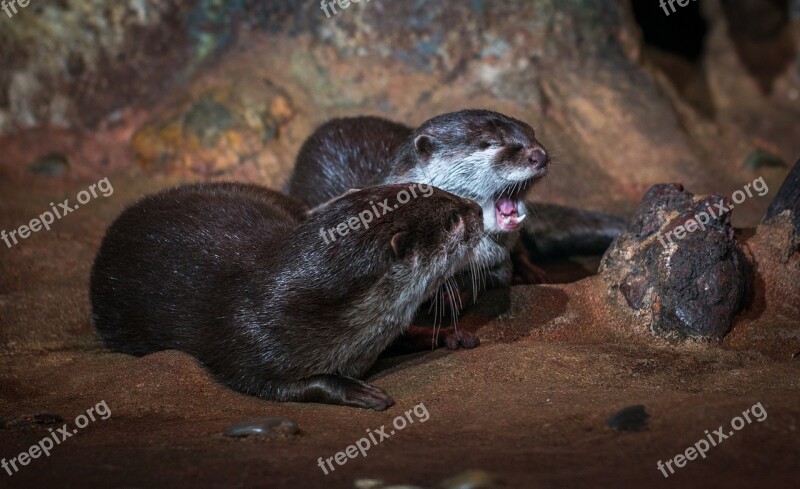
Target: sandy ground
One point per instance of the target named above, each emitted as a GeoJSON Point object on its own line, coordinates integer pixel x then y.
{"type": "Point", "coordinates": [528, 406]}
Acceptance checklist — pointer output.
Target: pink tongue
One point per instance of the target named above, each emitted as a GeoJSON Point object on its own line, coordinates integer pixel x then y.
{"type": "Point", "coordinates": [508, 218]}
{"type": "Point", "coordinates": [506, 206]}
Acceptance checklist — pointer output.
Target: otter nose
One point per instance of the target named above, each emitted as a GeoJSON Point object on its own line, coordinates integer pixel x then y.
{"type": "Point", "coordinates": [537, 158]}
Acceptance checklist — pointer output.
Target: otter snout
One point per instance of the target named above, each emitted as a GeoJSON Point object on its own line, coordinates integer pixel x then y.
{"type": "Point", "coordinates": [537, 158]}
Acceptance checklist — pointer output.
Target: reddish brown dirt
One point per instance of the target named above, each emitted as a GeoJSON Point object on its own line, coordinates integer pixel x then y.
{"type": "Point", "coordinates": [528, 405]}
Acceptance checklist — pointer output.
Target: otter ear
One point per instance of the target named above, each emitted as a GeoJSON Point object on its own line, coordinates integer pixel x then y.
{"type": "Point", "coordinates": [400, 244]}
{"type": "Point", "coordinates": [424, 145]}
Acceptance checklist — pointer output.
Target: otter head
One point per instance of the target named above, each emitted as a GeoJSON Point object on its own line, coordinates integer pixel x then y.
{"type": "Point", "coordinates": [436, 235]}
{"type": "Point", "coordinates": [480, 155]}
{"type": "Point", "coordinates": [405, 239]}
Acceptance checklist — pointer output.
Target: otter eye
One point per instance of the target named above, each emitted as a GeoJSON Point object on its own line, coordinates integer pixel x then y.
{"type": "Point", "coordinates": [454, 219]}
{"type": "Point", "coordinates": [486, 144]}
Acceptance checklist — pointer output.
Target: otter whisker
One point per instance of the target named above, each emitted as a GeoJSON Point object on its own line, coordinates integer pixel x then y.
{"type": "Point", "coordinates": [473, 279]}
{"type": "Point", "coordinates": [435, 316]}
{"type": "Point", "coordinates": [453, 314]}
{"type": "Point", "coordinates": [454, 290]}
{"type": "Point", "coordinates": [450, 291]}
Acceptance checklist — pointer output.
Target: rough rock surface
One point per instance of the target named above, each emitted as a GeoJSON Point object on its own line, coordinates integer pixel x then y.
{"type": "Point", "coordinates": [224, 128]}
{"type": "Point", "coordinates": [679, 265]}
{"type": "Point", "coordinates": [786, 207]}
{"type": "Point", "coordinates": [573, 69]}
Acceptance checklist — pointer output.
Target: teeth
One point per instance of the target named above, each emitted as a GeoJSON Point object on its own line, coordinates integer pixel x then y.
{"type": "Point", "coordinates": [513, 220]}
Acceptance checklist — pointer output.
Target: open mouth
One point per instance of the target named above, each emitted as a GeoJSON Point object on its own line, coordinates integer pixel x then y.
{"type": "Point", "coordinates": [509, 213]}
{"type": "Point", "coordinates": [509, 207]}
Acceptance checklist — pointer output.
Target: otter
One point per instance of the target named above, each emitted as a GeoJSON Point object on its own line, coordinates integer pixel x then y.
{"type": "Point", "coordinates": [239, 277]}
{"type": "Point", "coordinates": [480, 155]}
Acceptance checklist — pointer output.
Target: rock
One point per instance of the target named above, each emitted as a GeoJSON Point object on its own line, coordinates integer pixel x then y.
{"type": "Point", "coordinates": [52, 164]}
{"type": "Point", "coordinates": [215, 132]}
{"type": "Point", "coordinates": [56, 71]}
{"type": "Point", "coordinates": [207, 120]}
{"type": "Point", "coordinates": [679, 266]}
{"type": "Point", "coordinates": [267, 426]}
{"type": "Point", "coordinates": [762, 35]}
{"type": "Point", "coordinates": [632, 418]}
{"type": "Point", "coordinates": [787, 204]}
{"type": "Point", "coordinates": [770, 324]}
{"type": "Point", "coordinates": [27, 420]}
{"type": "Point", "coordinates": [471, 479]}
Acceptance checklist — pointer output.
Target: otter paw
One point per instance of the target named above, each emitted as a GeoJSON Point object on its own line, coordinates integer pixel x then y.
{"type": "Point", "coordinates": [454, 340]}
{"type": "Point", "coordinates": [360, 394]}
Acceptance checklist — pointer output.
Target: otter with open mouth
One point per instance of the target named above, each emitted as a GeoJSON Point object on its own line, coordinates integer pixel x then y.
{"type": "Point", "coordinates": [479, 155]}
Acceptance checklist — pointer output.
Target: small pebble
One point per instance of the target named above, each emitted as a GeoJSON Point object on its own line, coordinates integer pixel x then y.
{"type": "Point", "coordinates": [471, 479]}
{"type": "Point", "coordinates": [268, 426]}
{"type": "Point", "coordinates": [368, 484]}
{"type": "Point", "coordinates": [26, 420]}
{"type": "Point", "coordinates": [52, 164]}
{"type": "Point", "coordinates": [632, 418]}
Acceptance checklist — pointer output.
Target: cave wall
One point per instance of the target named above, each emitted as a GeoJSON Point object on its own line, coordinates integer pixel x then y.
{"type": "Point", "coordinates": [211, 88]}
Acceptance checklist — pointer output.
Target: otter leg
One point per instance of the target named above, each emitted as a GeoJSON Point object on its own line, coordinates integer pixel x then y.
{"type": "Point", "coordinates": [525, 272]}
{"type": "Point", "coordinates": [499, 276]}
{"type": "Point", "coordinates": [331, 389]}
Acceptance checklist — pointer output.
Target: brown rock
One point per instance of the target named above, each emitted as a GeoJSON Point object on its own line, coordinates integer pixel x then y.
{"type": "Point", "coordinates": [679, 265]}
